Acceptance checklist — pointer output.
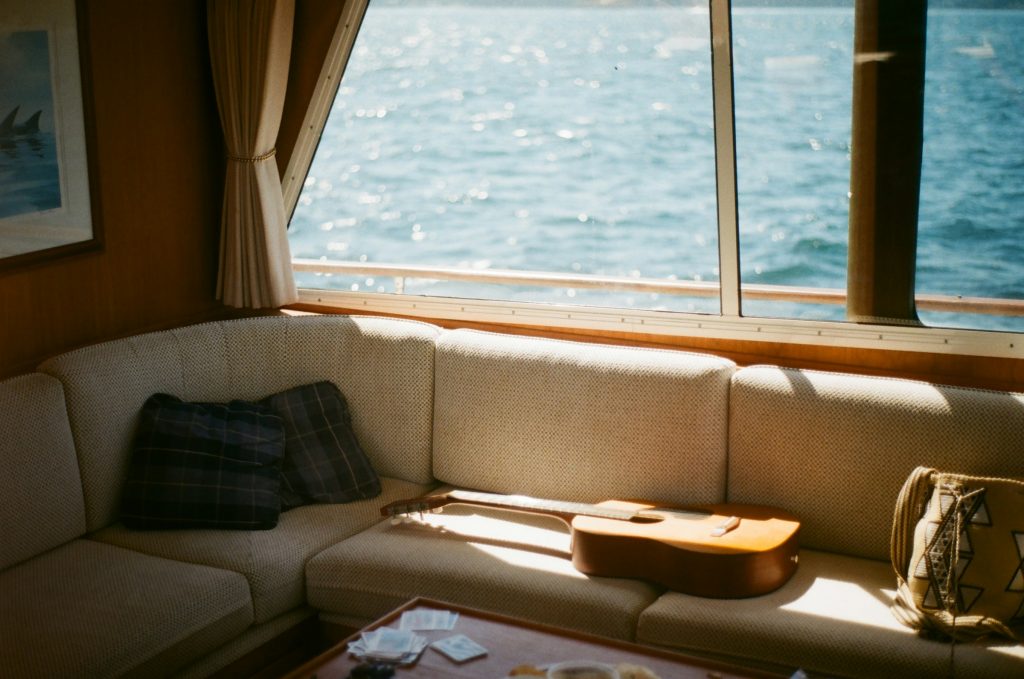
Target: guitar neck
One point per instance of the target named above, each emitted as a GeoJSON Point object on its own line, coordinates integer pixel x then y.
{"type": "Point", "coordinates": [562, 510]}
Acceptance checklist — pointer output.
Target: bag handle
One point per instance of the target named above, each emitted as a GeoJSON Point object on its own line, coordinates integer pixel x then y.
{"type": "Point", "coordinates": [910, 506]}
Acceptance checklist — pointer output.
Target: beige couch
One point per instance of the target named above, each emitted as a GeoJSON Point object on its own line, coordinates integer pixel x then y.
{"type": "Point", "coordinates": [81, 595]}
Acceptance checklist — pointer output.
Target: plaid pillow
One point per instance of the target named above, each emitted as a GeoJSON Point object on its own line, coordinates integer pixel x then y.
{"type": "Point", "coordinates": [204, 465]}
{"type": "Point", "coordinates": [323, 460]}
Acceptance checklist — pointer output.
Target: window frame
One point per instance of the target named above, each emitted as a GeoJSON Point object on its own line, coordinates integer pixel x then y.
{"type": "Point", "coordinates": [729, 324]}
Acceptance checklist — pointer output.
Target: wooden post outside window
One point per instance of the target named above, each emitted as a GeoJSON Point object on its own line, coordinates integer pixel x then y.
{"type": "Point", "coordinates": [885, 169]}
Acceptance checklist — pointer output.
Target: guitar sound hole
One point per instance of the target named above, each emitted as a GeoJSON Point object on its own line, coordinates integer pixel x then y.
{"type": "Point", "coordinates": [646, 518]}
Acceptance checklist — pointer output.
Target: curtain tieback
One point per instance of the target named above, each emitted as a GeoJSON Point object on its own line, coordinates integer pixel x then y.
{"type": "Point", "coordinates": [256, 159]}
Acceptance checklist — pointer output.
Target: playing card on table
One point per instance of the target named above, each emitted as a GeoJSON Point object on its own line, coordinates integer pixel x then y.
{"type": "Point", "coordinates": [459, 648]}
{"type": "Point", "coordinates": [427, 619]}
{"type": "Point", "coordinates": [385, 643]}
{"type": "Point", "coordinates": [389, 642]}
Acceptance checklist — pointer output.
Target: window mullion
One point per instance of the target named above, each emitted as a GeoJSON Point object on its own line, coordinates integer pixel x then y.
{"type": "Point", "coordinates": [725, 156]}
{"type": "Point", "coordinates": [322, 100]}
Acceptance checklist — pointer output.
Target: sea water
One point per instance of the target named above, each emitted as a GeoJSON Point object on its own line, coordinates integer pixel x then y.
{"type": "Point", "coordinates": [581, 140]}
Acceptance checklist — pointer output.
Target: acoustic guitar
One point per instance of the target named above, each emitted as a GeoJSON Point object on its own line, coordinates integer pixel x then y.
{"type": "Point", "coordinates": [722, 551]}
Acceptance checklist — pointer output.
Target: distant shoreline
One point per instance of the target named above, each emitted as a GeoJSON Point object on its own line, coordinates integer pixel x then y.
{"type": "Point", "coordinates": [761, 4]}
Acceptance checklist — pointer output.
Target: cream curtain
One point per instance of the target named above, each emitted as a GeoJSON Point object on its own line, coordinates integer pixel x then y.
{"type": "Point", "coordinates": [250, 46]}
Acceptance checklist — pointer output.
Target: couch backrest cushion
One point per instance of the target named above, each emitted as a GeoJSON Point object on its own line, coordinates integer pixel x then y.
{"type": "Point", "coordinates": [40, 485]}
{"type": "Point", "coordinates": [835, 449]}
{"type": "Point", "coordinates": [575, 421]}
{"type": "Point", "coordinates": [384, 367]}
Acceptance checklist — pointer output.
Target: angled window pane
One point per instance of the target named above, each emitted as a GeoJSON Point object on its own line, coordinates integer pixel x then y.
{"type": "Point", "coordinates": [563, 139]}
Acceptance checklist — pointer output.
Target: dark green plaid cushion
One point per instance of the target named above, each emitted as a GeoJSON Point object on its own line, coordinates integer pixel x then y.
{"type": "Point", "coordinates": [204, 465]}
{"type": "Point", "coordinates": [323, 461]}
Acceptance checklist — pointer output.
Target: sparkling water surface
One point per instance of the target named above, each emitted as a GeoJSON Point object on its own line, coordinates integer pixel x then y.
{"type": "Point", "coordinates": [581, 141]}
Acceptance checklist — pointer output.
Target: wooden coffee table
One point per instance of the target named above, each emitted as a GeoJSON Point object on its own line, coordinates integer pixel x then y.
{"type": "Point", "coordinates": [512, 642]}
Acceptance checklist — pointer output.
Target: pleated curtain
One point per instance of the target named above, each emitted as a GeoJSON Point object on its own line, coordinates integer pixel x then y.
{"type": "Point", "coordinates": [250, 46]}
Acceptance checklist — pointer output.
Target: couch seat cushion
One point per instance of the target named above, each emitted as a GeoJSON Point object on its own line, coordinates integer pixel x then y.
{"type": "Point", "coordinates": [92, 610]}
{"type": "Point", "coordinates": [272, 560]}
{"type": "Point", "coordinates": [507, 562]}
{"type": "Point", "coordinates": [833, 617]}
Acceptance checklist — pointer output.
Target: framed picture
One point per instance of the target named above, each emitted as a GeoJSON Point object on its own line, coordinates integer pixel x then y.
{"type": "Point", "coordinates": [46, 208]}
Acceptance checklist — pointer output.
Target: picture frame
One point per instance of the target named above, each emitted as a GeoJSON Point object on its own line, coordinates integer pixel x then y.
{"type": "Point", "coordinates": [48, 202]}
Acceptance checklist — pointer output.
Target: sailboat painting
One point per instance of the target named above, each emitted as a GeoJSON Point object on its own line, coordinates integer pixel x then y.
{"type": "Point", "coordinates": [29, 165]}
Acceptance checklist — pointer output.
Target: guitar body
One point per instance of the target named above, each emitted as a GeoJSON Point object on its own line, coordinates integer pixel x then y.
{"type": "Point", "coordinates": [679, 552]}
{"type": "Point", "coordinates": [723, 551]}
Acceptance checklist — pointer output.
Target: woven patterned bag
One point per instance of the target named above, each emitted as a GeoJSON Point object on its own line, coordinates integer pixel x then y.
{"type": "Point", "coordinates": [958, 552]}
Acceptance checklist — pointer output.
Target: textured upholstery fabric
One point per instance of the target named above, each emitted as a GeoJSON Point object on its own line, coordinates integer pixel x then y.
{"type": "Point", "coordinates": [575, 421]}
{"type": "Point", "coordinates": [204, 465]}
{"type": "Point", "coordinates": [273, 560]}
{"type": "Point", "coordinates": [92, 610]}
{"type": "Point", "coordinates": [835, 449]}
{"type": "Point", "coordinates": [41, 491]}
{"type": "Point", "coordinates": [508, 562]}
{"type": "Point", "coordinates": [383, 366]}
{"type": "Point", "coordinates": [323, 459]}
{"type": "Point", "coordinates": [833, 617]}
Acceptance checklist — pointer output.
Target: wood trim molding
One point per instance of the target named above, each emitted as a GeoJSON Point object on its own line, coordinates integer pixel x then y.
{"type": "Point", "coordinates": [983, 372]}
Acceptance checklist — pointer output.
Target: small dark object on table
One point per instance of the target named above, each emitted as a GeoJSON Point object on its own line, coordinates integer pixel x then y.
{"type": "Point", "coordinates": [377, 670]}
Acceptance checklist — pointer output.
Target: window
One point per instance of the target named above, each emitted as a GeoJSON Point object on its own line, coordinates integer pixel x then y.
{"type": "Point", "coordinates": [562, 159]}
{"type": "Point", "coordinates": [971, 227]}
{"type": "Point", "coordinates": [793, 79]}
{"type": "Point", "coordinates": [573, 143]}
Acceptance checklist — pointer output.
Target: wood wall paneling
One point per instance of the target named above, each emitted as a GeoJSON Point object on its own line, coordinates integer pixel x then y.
{"type": "Point", "coordinates": [161, 158]}
{"type": "Point", "coordinates": [158, 169]}
{"type": "Point", "coordinates": [156, 152]}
